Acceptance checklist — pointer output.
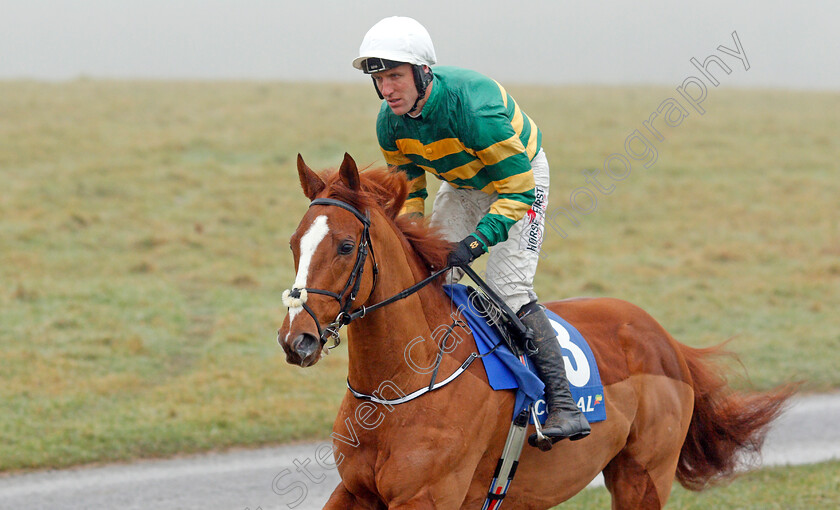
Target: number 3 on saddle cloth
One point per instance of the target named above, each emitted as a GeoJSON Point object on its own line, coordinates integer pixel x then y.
{"type": "Point", "coordinates": [507, 371]}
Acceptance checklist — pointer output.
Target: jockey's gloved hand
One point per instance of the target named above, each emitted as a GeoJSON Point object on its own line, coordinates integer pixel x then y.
{"type": "Point", "coordinates": [469, 249]}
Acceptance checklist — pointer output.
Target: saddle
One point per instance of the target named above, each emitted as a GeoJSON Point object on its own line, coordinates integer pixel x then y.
{"type": "Point", "coordinates": [508, 367]}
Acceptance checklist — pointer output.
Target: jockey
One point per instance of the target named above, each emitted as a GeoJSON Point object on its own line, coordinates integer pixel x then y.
{"type": "Point", "coordinates": [467, 131]}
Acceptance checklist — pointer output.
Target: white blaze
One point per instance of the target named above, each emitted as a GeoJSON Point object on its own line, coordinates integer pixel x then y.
{"type": "Point", "coordinates": [308, 246]}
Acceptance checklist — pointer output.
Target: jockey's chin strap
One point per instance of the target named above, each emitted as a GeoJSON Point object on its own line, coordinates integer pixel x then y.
{"type": "Point", "coordinates": [345, 298]}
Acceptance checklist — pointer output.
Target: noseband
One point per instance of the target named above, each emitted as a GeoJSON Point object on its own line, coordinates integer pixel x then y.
{"type": "Point", "coordinates": [297, 297]}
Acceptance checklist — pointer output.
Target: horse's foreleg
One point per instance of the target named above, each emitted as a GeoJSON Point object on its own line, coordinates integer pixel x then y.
{"type": "Point", "coordinates": [342, 499]}
{"type": "Point", "coordinates": [423, 501]}
{"type": "Point", "coordinates": [446, 493]}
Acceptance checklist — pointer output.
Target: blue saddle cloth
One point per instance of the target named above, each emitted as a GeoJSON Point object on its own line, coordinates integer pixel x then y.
{"type": "Point", "coordinates": [506, 371]}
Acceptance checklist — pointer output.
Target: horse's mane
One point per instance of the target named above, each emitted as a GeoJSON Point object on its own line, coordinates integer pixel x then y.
{"type": "Point", "coordinates": [384, 189]}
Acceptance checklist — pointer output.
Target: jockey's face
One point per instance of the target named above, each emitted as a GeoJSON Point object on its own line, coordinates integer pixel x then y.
{"type": "Point", "coordinates": [398, 88]}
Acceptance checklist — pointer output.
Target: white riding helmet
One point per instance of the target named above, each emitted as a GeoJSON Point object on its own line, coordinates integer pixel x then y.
{"type": "Point", "coordinates": [395, 40]}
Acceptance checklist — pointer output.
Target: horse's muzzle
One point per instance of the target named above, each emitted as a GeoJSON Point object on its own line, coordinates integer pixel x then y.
{"type": "Point", "coordinates": [303, 350]}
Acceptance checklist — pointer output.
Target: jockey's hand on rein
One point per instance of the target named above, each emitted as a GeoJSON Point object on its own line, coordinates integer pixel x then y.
{"type": "Point", "coordinates": [465, 252]}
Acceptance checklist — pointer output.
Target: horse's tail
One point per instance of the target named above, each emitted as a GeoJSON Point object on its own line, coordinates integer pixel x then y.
{"type": "Point", "coordinates": [725, 424]}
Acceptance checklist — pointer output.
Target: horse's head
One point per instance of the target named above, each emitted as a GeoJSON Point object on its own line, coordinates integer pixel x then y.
{"type": "Point", "coordinates": [335, 256]}
{"type": "Point", "coordinates": [334, 263]}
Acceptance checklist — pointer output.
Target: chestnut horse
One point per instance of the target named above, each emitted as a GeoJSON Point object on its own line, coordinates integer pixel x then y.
{"type": "Point", "coordinates": [669, 412]}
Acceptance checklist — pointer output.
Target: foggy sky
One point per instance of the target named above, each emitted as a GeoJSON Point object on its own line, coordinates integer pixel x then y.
{"type": "Point", "coordinates": [544, 42]}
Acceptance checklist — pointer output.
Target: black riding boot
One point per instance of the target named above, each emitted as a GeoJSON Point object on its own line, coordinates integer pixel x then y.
{"type": "Point", "coordinates": [564, 418]}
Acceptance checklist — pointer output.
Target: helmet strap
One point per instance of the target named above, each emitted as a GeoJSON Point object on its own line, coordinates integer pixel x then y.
{"type": "Point", "coordinates": [375, 86]}
{"type": "Point", "coordinates": [421, 81]}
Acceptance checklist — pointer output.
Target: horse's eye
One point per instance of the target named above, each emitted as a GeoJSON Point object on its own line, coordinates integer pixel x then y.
{"type": "Point", "coordinates": [346, 247]}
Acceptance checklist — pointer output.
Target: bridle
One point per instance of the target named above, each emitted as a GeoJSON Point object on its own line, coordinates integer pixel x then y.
{"type": "Point", "coordinates": [297, 297]}
{"type": "Point", "coordinates": [345, 316]}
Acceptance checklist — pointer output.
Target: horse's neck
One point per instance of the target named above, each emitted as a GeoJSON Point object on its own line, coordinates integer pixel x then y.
{"type": "Point", "coordinates": [392, 342]}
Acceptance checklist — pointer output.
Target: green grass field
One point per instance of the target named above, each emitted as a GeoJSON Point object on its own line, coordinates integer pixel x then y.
{"type": "Point", "coordinates": [786, 488]}
{"type": "Point", "coordinates": [144, 247]}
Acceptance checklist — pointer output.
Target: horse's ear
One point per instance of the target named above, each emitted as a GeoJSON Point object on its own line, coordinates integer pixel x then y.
{"type": "Point", "coordinates": [311, 183]}
{"type": "Point", "coordinates": [349, 173]}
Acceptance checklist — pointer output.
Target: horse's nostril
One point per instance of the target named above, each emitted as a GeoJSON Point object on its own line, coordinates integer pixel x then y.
{"type": "Point", "coordinates": [304, 345]}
